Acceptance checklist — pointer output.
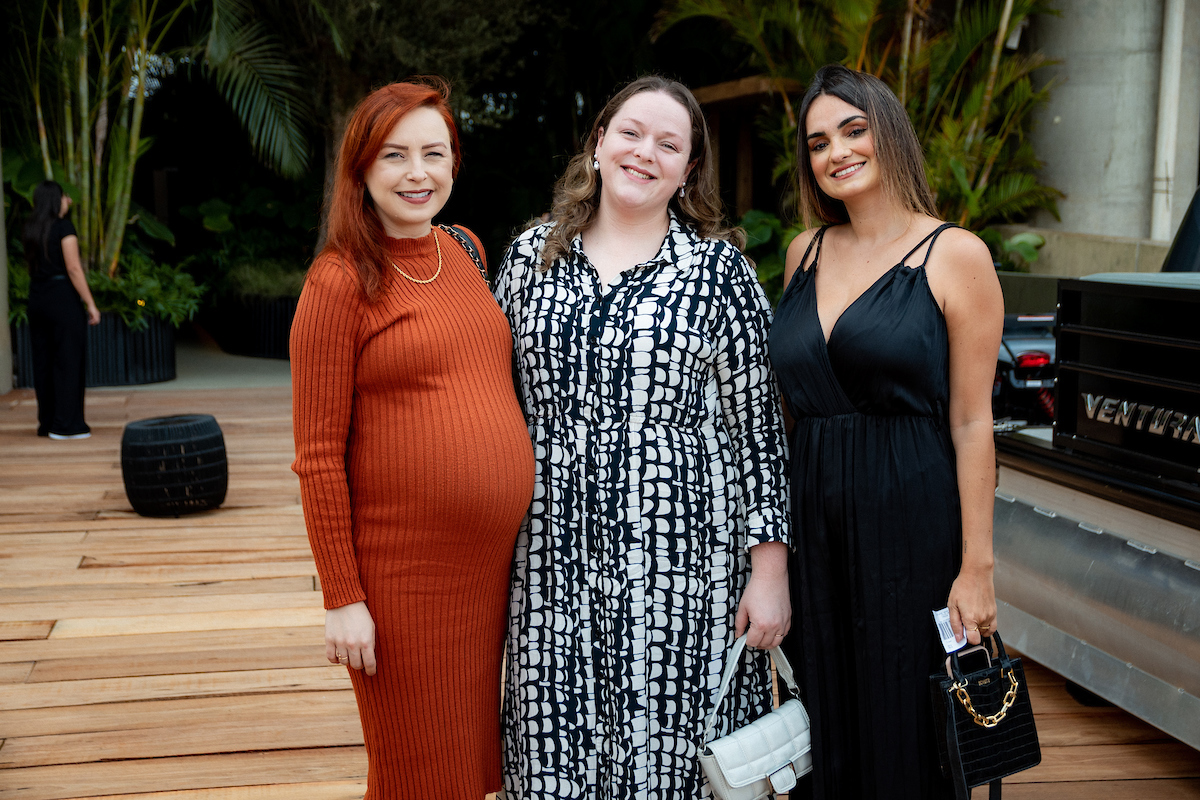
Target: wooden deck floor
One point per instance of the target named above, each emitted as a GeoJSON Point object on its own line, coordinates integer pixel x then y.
{"type": "Point", "coordinates": [183, 659]}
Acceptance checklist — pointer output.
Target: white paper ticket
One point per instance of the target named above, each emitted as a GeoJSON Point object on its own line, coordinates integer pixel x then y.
{"type": "Point", "coordinates": [941, 618]}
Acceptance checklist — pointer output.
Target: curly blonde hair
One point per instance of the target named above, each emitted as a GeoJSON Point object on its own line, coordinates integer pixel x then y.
{"type": "Point", "coordinates": [577, 193]}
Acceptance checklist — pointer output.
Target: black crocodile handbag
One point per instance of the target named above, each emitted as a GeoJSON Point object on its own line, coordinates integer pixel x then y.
{"type": "Point", "coordinates": [984, 721]}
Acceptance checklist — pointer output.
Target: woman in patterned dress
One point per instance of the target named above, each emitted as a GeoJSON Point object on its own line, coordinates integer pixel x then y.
{"type": "Point", "coordinates": [658, 530]}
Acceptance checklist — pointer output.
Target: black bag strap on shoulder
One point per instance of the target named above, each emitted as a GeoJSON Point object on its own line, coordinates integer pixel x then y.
{"type": "Point", "coordinates": [460, 235]}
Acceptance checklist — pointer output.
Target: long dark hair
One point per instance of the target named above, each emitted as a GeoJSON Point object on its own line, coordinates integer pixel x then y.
{"type": "Point", "coordinates": [47, 203]}
{"type": "Point", "coordinates": [577, 195]}
{"type": "Point", "coordinates": [901, 164]}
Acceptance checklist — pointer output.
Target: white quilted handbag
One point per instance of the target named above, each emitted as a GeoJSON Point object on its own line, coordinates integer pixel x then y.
{"type": "Point", "coordinates": [768, 755]}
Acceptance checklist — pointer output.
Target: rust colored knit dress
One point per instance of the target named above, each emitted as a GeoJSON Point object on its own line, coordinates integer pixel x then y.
{"type": "Point", "coordinates": [415, 471]}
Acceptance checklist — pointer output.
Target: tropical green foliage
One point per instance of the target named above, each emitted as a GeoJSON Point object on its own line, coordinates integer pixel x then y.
{"type": "Point", "coordinates": [143, 287]}
{"type": "Point", "coordinates": [252, 70]}
{"type": "Point", "coordinates": [89, 57]}
{"type": "Point", "coordinates": [767, 240]}
{"type": "Point", "coordinates": [87, 68]}
{"type": "Point", "coordinates": [259, 246]}
{"type": "Point", "coordinates": [969, 97]}
{"type": "Point", "coordinates": [339, 51]}
{"type": "Point", "coordinates": [1016, 253]}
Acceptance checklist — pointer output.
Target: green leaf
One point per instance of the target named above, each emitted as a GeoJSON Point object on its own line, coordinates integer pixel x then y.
{"type": "Point", "coordinates": [219, 223]}
{"type": "Point", "coordinates": [150, 224]}
{"type": "Point", "coordinates": [264, 89]}
{"type": "Point", "coordinates": [215, 208]}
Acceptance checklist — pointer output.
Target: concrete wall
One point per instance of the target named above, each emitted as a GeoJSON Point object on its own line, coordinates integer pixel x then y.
{"type": "Point", "coordinates": [1097, 133]}
{"type": "Point", "coordinates": [1073, 255]}
{"type": "Point", "coordinates": [1187, 147]}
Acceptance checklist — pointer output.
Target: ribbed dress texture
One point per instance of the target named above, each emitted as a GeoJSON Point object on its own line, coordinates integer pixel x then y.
{"type": "Point", "coordinates": [415, 471]}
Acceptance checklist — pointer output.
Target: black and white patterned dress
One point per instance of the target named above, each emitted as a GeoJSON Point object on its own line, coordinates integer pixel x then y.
{"type": "Point", "coordinates": [660, 459]}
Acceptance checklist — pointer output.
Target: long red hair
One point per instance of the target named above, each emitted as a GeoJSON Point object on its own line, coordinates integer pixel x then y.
{"type": "Point", "coordinates": [354, 231]}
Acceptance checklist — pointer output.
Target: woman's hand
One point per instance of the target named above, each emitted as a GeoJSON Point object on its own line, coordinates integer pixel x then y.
{"type": "Point", "coordinates": [350, 637]}
{"type": "Point", "coordinates": [93, 314]}
{"type": "Point", "coordinates": [765, 611]}
{"type": "Point", "coordinates": [972, 605]}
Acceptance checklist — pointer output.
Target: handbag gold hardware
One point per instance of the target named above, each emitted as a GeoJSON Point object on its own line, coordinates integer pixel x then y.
{"type": "Point", "coordinates": [1010, 697]}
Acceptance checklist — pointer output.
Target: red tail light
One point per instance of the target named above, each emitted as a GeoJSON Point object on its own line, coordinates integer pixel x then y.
{"type": "Point", "coordinates": [1032, 360]}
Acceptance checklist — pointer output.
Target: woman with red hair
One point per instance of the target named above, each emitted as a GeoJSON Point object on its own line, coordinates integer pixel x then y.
{"type": "Point", "coordinates": [414, 460]}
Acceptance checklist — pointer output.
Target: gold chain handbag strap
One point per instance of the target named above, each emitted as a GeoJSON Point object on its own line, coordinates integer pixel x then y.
{"type": "Point", "coordinates": [1010, 697]}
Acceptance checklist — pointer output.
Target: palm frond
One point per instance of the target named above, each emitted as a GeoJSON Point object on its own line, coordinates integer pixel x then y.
{"type": "Point", "coordinates": [261, 86]}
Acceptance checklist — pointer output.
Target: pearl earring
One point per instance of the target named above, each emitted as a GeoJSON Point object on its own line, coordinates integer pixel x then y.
{"type": "Point", "coordinates": [681, 189]}
{"type": "Point", "coordinates": [595, 163]}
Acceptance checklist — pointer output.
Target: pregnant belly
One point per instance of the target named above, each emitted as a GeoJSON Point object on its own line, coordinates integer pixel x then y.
{"type": "Point", "coordinates": [458, 478]}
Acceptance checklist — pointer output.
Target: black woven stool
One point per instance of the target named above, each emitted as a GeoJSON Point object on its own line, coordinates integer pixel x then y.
{"type": "Point", "coordinates": [174, 465]}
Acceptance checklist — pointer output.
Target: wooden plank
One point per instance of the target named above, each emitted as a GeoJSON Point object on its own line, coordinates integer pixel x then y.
{"type": "Point", "coordinates": [16, 672]}
{"type": "Point", "coordinates": [77, 609]}
{"type": "Point", "coordinates": [331, 790]}
{"type": "Point", "coordinates": [256, 539]}
{"type": "Point", "coordinates": [142, 714]}
{"type": "Point", "coordinates": [1119, 762]}
{"type": "Point", "coordinates": [213, 621]}
{"type": "Point", "coordinates": [1067, 730]}
{"type": "Point", "coordinates": [295, 551]}
{"type": "Point", "coordinates": [186, 772]}
{"type": "Point", "coordinates": [221, 518]}
{"type": "Point", "coordinates": [751, 88]}
{"type": "Point", "coordinates": [1109, 790]}
{"type": "Point", "coordinates": [25, 629]}
{"type": "Point", "coordinates": [233, 659]}
{"type": "Point", "coordinates": [206, 730]}
{"type": "Point", "coordinates": [159, 643]}
{"type": "Point", "coordinates": [114, 591]}
{"type": "Point", "coordinates": [171, 574]}
{"type": "Point", "coordinates": [119, 690]}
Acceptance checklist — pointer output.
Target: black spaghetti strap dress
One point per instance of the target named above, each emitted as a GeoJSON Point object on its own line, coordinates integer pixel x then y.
{"type": "Point", "coordinates": [877, 527]}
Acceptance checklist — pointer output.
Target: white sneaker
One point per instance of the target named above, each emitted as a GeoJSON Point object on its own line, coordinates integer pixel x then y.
{"type": "Point", "coordinates": [70, 435]}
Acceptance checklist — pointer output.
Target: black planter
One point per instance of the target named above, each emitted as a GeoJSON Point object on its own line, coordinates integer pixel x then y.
{"type": "Point", "coordinates": [252, 326]}
{"type": "Point", "coordinates": [116, 356]}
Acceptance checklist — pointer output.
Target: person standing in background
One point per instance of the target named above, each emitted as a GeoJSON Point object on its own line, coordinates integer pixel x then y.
{"type": "Point", "coordinates": [57, 321]}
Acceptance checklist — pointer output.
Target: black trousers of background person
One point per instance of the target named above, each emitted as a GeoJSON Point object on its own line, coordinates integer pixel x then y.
{"type": "Point", "coordinates": [58, 335]}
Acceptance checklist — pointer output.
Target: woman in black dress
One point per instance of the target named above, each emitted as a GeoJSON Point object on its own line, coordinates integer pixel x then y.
{"type": "Point", "coordinates": [885, 345]}
{"type": "Point", "coordinates": [57, 321]}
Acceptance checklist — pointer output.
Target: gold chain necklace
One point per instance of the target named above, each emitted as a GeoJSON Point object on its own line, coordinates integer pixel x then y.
{"type": "Point", "coordinates": [436, 244]}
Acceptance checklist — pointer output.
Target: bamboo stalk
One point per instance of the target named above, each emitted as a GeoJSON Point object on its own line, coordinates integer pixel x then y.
{"type": "Point", "coordinates": [43, 142]}
{"type": "Point", "coordinates": [120, 213]}
{"type": "Point", "coordinates": [68, 110]}
{"type": "Point", "coordinates": [980, 123]}
{"type": "Point", "coordinates": [908, 24]}
{"type": "Point", "coordinates": [87, 250]}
